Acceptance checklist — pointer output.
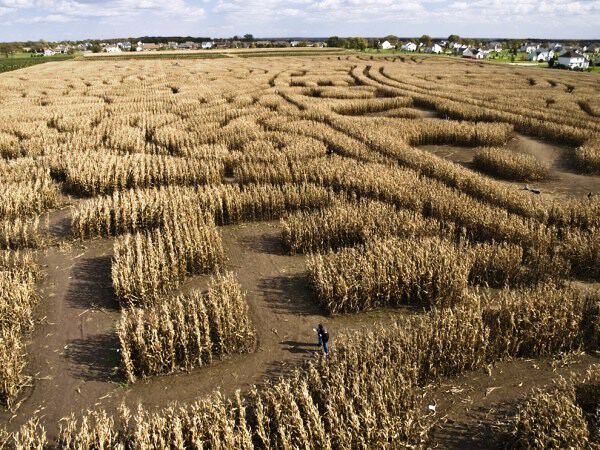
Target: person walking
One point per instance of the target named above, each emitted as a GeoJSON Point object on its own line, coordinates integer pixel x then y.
{"type": "Point", "coordinates": [323, 337]}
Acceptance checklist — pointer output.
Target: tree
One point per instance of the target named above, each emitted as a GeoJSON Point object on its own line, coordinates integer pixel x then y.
{"type": "Point", "coordinates": [248, 37]}
{"type": "Point", "coordinates": [454, 38]}
{"type": "Point", "coordinates": [96, 48]}
{"type": "Point", "coordinates": [7, 49]}
{"type": "Point", "coordinates": [425, 40]}
{"type": "Point", "coordinates": [335, 41]}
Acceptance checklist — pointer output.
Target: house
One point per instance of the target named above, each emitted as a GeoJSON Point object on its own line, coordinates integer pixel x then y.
{"type": "Point", "coordinates": [385, 45]}
{"type": "Point", "coordinates": [494, 47]}
{"type": "Point", "coordinates": [281, 44]}
{"type": "Point", "coordinates": [207, 45]}
{"type": "Point", "coordinates": [473, 53]}
{"type": "Point", "coordinates": [318, 44]}
{"type": "Point", "coordinates": [187, 46]}
{"type": "Point", "coordinates": [149, 46]}
{"type": "Point", "coordinates": [49, 52]}
{"type": "Point", "coordinates": [126, 46]}
{"type": "Point", "coordinates": [112, 49]}
{"type": "Point", "coordinates": [435, 48]}
{"type": "Point", "coordinates": [409, 47]}
{"type": "Point", "coordinates": [573, 60]}
{"type": "Point", "coordinates": [542, 54]}
{"type": "Point", "coordinates": [172, 45]}
{"type": "Point", "coordinates": [295, 43]}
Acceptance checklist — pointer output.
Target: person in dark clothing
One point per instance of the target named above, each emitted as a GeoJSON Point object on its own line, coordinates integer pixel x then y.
{"type": "Point", "coordinates": [323, 337]}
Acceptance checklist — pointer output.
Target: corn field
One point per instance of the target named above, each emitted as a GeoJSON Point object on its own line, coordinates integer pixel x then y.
{"type": "Point", "coordinates": [168, 161]}
{"type": "Point", "coordinates": [510, 165]}
{"type": "Point", "coordinates": [186, 332]}
{"type": "Point", "coordinates": [148, 265]}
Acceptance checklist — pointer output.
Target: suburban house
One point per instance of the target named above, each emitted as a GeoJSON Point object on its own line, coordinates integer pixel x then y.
{"type": "Point", "coordinates": [528, 48]}
{"type": "Point", "coordinates": [494, 47]}
{"type": "Point", "coordinates": [112, 49]}
{"type": "Point", "coordinates": [385, 45]}
{"type": "Point", "coordinates": [295, 43]}
{"type": "Point", "coordinates": [207, 45]}
{"type": "Point", "coordinates": [126, 46]}
{"type": "Point", "coordinates": [187, 46]}
{"type": "Point", "coordinates": [49, 52]}
{"type": "Point", "coordinates": [148, 46]}
{"type": "Point", "coordinates": [573, 60]}
{"type": "Point", "coordinates": [473, 53]}
{"type": "Point", "coordinates": [435, 48]}
{"type": "Point", "coordinates": [542, 54]}
{"type": "Point", "coordinates": [409, 47]}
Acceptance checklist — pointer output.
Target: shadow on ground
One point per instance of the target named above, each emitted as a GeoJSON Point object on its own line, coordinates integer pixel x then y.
{"type": "Point", "coordinates": [94, 358]}
{"type": "Point", "coordinates": [290, 294]}
{"type": "Point", "coordinates": [92, 286]}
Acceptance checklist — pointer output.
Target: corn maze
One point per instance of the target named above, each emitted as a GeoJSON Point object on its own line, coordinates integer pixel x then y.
{"type": "Point", "coordinates": [452, 265]}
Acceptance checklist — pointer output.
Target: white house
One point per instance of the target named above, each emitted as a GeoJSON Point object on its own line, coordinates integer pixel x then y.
{"type": "Point", "coordinates": [435, 48]}
{"type": "Point", "coordinates": [49, 52]}
{"type": "Point", "coordinates": [387, 46]}
{"type": "Point", "coordinates": [207, 45]}
{"type": "Point", "coordinates": [573, 60]}
{"type": "Point", "coordinates": [295, 43]}
{"type": "Point", "coordinates": [473, 53]}
{"type": "Point", "coordinates": [495, 46]}
{"type": "Point", "coordinates": [409, 47]}
{"type": "Point", "coordinates": [541, 54]}
{"type": "Point", "coordinates": [112, 49]}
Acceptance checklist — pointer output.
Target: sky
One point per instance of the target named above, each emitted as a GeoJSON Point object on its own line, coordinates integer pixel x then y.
{"type": "Point", "coordinates": [101, 19]}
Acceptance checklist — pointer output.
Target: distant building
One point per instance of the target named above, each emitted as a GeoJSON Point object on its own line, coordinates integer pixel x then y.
{"type": "Point", "coordinates": [112, 49]}
{"type": "Point", "coordinates": [386, 45]}
{"type": "Point", "coordinates": [49, 52]}
{"type": "Point", "coordinates": [541, 54]}
{"type": "Point", "coordinates": [435, 48]}
{"type": "Point", "coordinates": [473, 53]}
{"type": "Point", "coordinates": [573, 60]}
{"type": "Point", "coordinates": [207, 45]}
{"type": "Point", "coordinates": [149, 46]}
{"type": "Point", "coordinates": [409, 47]}
{"type": "Point", "coordinates": [295, 43]}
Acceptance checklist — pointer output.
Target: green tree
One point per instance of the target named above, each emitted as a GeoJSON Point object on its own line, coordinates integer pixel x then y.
{"type": "Point", "coordinates": [248, 37]}
{"type": "Point", "coordinates": [335, 41]}
{"type": "Point", "coordinates": [96, 48]}
{"type": "Point", "coordinates": [7, 49]}
{"type": "Point", "coordinates": [425, 40]}
{"type": "Point", "coordinates": [454, 38]}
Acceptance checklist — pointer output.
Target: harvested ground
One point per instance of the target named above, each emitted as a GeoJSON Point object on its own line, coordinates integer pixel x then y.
{"type": "Point", "coordinates": [471, 409]}
{"type": "Point", "coordinates": [74, 349]}
{"type": "Point", "coordinates": [564, 180]}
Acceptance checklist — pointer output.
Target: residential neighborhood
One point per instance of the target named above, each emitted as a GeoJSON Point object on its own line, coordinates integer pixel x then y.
{"type": "Point", "coordinates": [574, 55]}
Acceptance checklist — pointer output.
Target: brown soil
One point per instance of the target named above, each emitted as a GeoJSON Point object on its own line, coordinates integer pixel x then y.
{"type": "Point", "coordinates": [73, 350]}
{"type": "Point", "coordinates": [472, 410]}
{"type": "Point", "coordinates": [564, 181]}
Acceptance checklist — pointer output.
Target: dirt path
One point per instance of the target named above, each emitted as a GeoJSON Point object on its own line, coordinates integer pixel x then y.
{"type": "Point", "coordinates": [73, 350]}
{"type": "Point", "coordinates": [564, 180]}
{"type": "Point", "coordinates": [471, 409]}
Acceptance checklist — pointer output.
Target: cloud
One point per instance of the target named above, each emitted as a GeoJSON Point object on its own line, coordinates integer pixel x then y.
{"type": "Point", "coordinates": [58, 11]}
{"type": "Point", "coordinates": [494, 18]}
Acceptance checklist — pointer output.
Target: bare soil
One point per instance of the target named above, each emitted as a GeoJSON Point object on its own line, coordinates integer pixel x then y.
{"type": "Point", "coordinates": [564, 180]}
{"type": "Point", "coordinates": [471, 411]}
{"type": "Point", "coordinates": [73, 351]}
